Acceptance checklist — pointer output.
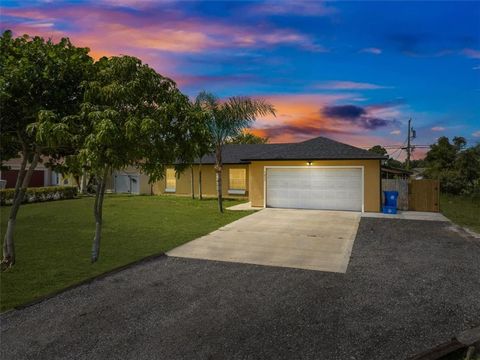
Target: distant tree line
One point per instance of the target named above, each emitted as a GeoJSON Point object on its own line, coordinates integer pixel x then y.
{"type": "Point", "coordinates": [453, 163]}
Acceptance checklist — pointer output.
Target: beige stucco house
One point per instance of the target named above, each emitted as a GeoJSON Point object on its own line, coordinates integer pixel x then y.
{"type": "Point", "coordinates": [316, 174]}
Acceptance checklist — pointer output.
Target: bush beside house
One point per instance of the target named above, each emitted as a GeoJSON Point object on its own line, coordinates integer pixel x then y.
{"type": "Point", "coordinates": [40, 194]}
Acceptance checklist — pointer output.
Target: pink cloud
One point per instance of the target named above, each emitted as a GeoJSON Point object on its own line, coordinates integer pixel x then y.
{"type": "Point", "coordinates": [476, 134]}
{"type": "Point", "coordinates": [177, 33]}
{"type": "Point", "coordinates": [437, 128]}
{"type": "Point", "coordinates": [299, 7]}
{"type": "Point", "coordinates": [301, 117]}
{"type": "Point", "coordinates": [371, 50]}
{"type": "Point", "coordinates": [348, 85]}
{"type": "Point", "coordinates": [471, 53]}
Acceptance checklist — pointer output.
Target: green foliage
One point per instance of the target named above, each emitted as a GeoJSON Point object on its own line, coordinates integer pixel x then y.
{"type": "Point", "coordinates": [40, 194]}
{"type": "Point", "coordinates": [228, 119]}
{"type": "Point", "coordinates": [378, 149]}
{"type": "Point", "coordinates": [135, 117]}
{"type": "Point", "coordinates": [248, 138]}
{"type": "Point", "coordinates": [456, 166]}
{"type": "Point", "coordinates": [40, 84]}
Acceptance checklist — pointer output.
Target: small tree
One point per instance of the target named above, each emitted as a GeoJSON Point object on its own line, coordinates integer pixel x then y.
{"type": "Point", "coordinates": [137, 118]}
{"type": "Point", "coordinates": [40, 86]}
{"type": "Point", "coordinates": [227, 119]}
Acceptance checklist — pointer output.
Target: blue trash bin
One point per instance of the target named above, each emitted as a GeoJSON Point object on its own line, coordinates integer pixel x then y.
{"type": "Point", "coordinates": [391, 198]}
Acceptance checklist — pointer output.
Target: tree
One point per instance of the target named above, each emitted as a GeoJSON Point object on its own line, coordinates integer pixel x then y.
{"type": "Point", "coordinates": [456, 166]}
{"type": "Point", "coordinates": [379, 149]}
{"type": "Point", "coordinates": [136, 118]}
{"type": "Point", "coordinates": [226, 120]}
{"type": "Point", "coordinates": [40, 87]}
{"type": "Point", "coordinates": [248, 138]}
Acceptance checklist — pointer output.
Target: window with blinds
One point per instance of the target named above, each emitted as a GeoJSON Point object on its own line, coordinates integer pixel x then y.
{"type": "Point", "coordinates": [171, 180]}
{"type": "Point", "coordinates": [237, 179]}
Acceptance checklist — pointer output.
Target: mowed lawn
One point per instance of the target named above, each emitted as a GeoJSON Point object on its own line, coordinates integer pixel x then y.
{"type": "Point", "coordinates": [53, 240]}
{"type": "Point", "coordinates": [462, 210]}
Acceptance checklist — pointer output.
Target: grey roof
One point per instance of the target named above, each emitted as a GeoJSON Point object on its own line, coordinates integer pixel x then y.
{"type": "Point", "coordinates": [319, 148]}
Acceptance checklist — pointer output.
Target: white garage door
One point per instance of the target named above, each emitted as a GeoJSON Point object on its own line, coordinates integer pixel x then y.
{"type": "Point", "coordinates": [315, 188]}
{"type": "Point", "coordinates": [127, 183]}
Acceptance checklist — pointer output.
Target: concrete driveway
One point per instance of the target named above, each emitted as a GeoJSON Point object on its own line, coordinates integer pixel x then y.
{"type": "Point", "coordinates": [302, 239]}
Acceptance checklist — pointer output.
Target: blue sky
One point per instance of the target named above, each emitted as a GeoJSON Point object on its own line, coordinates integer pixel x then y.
{"type": "Point", "coordinates": [353, 71]}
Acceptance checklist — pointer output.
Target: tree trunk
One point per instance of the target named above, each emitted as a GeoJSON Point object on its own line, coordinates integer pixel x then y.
{"type": "Point", "coordinates": [83, 182]}
{"type": "Point", "coordinates": [98, 214]}
{"type": "Point", "coordinates": [200, 195]}
{"type": "Point", "coordinates": [23, 180]}
{"type": "Point", "coordinates": [193, 183]}
{"type": "Point", "coordinates": [218, 176]}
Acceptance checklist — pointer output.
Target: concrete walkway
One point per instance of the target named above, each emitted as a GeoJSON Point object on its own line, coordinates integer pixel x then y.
{"type": "Point", "coordinates": [409, 215]}
{"type": "Point", "coordinates": [303, 239]}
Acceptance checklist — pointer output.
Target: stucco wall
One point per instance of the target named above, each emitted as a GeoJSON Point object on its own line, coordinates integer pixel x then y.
{"type": "Point", "coordinates": [371, 181]}
{"type": "Point", "coordinates": [184, 181]}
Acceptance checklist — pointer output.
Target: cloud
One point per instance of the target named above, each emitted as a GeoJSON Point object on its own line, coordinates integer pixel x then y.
{"type": "Point", "coordinates": [299, 7]}
{"type": "Point", "coordinates": [348, 85]}
{"type": "Point", "coordinates": [139, 32]}
{"type": "Point", "coordinates": [476, 67]}
{"type": "Point", "coordinates": [395, 132]}
{"type": "Point", "coordinates": [344, 111]}
{"type": "Point", "coordinates": [437, 128]}
{"type": "Point", "coordinates": [371, 50]}
{"type": "Point", "coordinates": [471, 53]}
{"type": "Point", "coordinates": [476, 134]}
{"type": "Point", "coordinates": [355, 115]}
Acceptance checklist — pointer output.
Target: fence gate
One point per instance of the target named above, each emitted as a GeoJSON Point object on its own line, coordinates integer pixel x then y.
{"type": "Point", "coordinates": [424, 195]}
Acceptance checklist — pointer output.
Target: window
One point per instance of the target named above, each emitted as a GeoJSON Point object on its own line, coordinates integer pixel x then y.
{"type": "Point", "coordinates": [171, 180]}
{"type": "Point", "coordinates": [237, 181]}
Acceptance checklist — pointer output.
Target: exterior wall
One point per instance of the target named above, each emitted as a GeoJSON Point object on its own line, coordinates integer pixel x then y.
{"type": "Point", "coordinates": [144, 187]}
{"type": "Point", "coordinates": [371, 180]}
{"type": "Point", "coordinates": [42, 175]}
{"type": "Point", "coordinates": [184, 182]}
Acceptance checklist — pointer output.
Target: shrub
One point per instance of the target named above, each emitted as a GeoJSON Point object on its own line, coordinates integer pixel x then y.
{"type": "Point", "coordinates": [39, 194]}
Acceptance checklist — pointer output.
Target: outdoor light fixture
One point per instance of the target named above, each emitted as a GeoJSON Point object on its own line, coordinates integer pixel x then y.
{"type": "Point", "coordinates": [309, 163]}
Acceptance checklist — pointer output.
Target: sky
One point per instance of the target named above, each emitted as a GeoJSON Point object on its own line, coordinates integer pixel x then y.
{"type": "Point", "coordinates": [352, 71]}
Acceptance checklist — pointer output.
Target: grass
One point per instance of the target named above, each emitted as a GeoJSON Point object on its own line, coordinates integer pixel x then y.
{"type": "Point", "coordinates": [53, 239]}
{"type": "Point", "coordinates": [462, 210]}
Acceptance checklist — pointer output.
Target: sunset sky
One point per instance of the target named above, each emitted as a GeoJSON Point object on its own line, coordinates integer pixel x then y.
{"type": "Point", "coordinates": [352, 71]}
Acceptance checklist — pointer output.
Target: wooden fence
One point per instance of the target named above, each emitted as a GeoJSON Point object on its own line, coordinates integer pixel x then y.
{"type": "Point", "coordinates": [424, 195]}
{"type": "Point", "coordinates": [414, 195]}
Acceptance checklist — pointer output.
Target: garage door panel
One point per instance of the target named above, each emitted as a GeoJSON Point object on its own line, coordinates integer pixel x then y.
{"type": "Point", "coordinates": [315, 188]}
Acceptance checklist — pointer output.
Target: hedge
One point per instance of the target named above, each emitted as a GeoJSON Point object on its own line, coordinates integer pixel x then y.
{"type": "Point", "coordinates": [39, 194]}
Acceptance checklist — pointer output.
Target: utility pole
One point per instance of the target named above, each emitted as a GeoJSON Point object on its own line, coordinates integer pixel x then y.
{"type": "Point", "coordinates": [411, 134]}
{"type": "Point", "coordinates": [408, 144]}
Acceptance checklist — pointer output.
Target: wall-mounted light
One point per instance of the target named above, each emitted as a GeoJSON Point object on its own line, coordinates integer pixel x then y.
{"type": "Point", "coordinates": [309, 163]}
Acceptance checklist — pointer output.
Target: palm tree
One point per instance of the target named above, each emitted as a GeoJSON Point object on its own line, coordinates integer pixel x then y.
{"type": "Point", "coordinates": [227, 119]}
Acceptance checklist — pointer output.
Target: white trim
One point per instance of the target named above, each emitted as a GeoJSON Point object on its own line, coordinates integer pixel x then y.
{"type": "Point", "coordinates": [167, 190]}
{"type": "Point", "coordinates": [265, 168]}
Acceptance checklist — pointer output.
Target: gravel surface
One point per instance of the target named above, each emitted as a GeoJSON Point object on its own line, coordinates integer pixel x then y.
{"type": "Point", "coordinates": [409, 286]}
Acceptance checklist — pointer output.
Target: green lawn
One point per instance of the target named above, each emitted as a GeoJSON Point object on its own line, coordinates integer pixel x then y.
{"type": "Point", "coordinates": [462, 210]}
{"type": "Point", "coordinates": [53, 239]}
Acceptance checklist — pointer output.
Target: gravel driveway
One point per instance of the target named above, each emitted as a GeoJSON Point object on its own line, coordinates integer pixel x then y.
{"type": "Point", "coordinates": [409, 286]}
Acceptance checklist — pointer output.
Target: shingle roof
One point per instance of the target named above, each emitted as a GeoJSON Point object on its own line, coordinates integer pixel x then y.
{"type": "Point", "coordinates": [319, 148]}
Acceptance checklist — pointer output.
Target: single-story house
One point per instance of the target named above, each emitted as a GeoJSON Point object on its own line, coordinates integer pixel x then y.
{"type": "Point", "coordinates": [315, 174]}
{"type": "Point", "coordinates": [42, 175]}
